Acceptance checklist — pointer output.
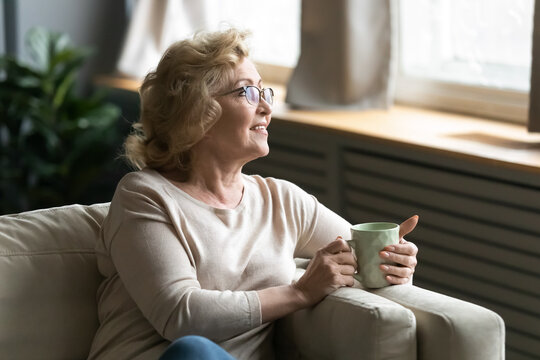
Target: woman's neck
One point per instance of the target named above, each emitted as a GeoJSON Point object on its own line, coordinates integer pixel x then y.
{"type": "Point", "coordinates": [214, 184]}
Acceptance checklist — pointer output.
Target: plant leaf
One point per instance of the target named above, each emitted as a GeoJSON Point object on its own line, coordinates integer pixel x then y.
{"type": "Point", "coordinates": [13, 69]}
{"type": "Point", "coordinates": [37, 43]}
{"type": "Point", "coordinates": [65, 86]}
{"type": "Point", "coordinates": [55, 146]}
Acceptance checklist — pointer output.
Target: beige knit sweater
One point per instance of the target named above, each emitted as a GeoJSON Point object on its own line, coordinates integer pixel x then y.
{"type": "Point", "coordinates": [175, 266]}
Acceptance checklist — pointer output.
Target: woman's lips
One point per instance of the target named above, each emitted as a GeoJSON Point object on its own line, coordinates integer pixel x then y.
{"type": "Point", "coordinates": [261, 129]}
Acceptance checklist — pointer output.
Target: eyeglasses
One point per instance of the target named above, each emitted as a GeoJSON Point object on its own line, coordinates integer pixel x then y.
{"type": "Point", "coordinates": [253, 94]}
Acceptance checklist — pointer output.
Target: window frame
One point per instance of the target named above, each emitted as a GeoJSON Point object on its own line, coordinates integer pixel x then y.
{"type": "Point", "coordinates": [487, 102]}
{"type": "Point", "coordinates": [482, 101]}
{"type": "Point", "coordinates": [274, 74]}
{"type": "Point", "coordinates": [502, 105]}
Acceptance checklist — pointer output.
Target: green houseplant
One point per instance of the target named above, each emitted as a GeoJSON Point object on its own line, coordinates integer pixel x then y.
{"type": "Point", "coordinates": [55, 147]}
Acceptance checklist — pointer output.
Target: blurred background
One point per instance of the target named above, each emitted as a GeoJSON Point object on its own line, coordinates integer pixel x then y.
{"type": "Point", "coordinates": [60, 137]}
{"type": "Point", "coordinates": [61, 130]}
{"type": "Point", "coordinates": [69, 72]}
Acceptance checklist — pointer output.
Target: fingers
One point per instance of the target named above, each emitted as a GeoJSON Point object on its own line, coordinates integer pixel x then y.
{"type": "Point", "coordinates": [349, 281]}
{"type": "Point", "coordinates": [339, 257]}
{"type": "Point", "coordinates": [347, 270]}
{"type": "Point", "coordinates": [404, 255]}
{"type": "Point", "coordinates": [344, 258]}
{"type": "Point", "coordinates": [394, 280]}
{"type": "Point", "coordinates": [405, 248]}
{"type": "Point", "coordinates": [401, 259]}
{"type": "Point", "coordinates": [397, 271]}
{"type": "Point", "coordinates": [337, 246]}
{"type": "Point", "coordinates": [339, 264]}
{"type": "Point", "coordinates": [332, 267]}
{"type": "Point", "coordinates": [408, 225]}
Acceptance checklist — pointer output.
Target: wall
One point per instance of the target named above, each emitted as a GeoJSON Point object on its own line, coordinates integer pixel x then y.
{"type": "Point", "coordinates": [2, 33]}
{"type": "Point", "coordinates": [99, 24]}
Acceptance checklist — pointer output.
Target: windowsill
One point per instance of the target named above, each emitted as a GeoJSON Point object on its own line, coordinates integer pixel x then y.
{"type": "Point", "coordinates": [477, 139]}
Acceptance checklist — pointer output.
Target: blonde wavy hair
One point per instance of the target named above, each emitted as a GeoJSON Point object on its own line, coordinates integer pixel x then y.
{"type": "Point", "coordinates": [177, 99]}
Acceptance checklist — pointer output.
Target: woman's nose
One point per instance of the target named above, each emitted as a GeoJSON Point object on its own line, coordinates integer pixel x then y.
{"type": "Point", "coordinates": [264, 107]}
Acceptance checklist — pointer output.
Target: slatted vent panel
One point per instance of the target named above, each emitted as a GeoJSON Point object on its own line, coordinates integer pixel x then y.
{"type": "Point", "coordinates": [302, 163]}
{"type": "Point", "coordinates": [479, 237]}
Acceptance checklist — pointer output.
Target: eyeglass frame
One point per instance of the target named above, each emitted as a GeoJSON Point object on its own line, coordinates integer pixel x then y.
{"type": "Point", "coordinates": [261, 92]}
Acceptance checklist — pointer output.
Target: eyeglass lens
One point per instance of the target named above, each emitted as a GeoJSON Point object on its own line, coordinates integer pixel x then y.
{"type": "Point", "coordinates": [253, 95]}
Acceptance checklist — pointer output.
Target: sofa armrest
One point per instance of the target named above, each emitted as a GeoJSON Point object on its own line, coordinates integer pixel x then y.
{"type": "Point", "coordinates": [448, 328]}
{"type": "Point", "coordinates": [348, 324]}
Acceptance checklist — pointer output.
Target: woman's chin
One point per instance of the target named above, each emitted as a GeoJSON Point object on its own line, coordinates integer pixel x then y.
{"type": "Point", "coordinates": [262, 152]}
{"type": "Point", "coordinates": [265, 150]}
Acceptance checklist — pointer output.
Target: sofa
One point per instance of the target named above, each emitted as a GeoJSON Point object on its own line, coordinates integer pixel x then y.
{"type": "Point", "coordinates": [48, 307]}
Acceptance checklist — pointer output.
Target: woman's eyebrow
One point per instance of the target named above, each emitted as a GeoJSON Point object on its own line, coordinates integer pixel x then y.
{"type": "Point", "coordinates": [249, 82]}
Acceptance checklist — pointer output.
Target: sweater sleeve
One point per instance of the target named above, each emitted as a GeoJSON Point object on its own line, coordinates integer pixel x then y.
{"type": "Point", "coordinates": [317, 225]}
{"type": "Point", "coordinates": [160, 277]}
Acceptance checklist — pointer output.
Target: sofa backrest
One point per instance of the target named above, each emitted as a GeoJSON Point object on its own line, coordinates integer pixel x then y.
{"type": "Point", "coordinates": [48, 282]}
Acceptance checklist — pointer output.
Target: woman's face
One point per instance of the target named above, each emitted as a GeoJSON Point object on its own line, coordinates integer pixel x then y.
{"type": "Point", "coordinates": [240, 134]}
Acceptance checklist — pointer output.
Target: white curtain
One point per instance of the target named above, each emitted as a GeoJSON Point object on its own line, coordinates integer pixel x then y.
{"type": "Point", "coordinates": [348, 56]}
{"type": "Point", "coordinates": [347, 47]}
{"type": "Point", "coordinates": [155, 24]}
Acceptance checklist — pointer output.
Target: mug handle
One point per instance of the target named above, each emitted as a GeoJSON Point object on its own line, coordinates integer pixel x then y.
{"type": "Point", "coordinates": [357, 274]}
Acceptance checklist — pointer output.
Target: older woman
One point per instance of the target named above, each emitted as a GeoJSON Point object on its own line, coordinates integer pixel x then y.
{"type": "Point", "coordinates": [191, 246]}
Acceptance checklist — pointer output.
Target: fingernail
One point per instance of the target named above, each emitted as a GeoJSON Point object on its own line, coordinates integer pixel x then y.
{"type": "Point", "coordinates": [384, 267]}
{"type": "Point", "coordinates": [391, 248]}
{"type": "Point", "coordinates": [385, 254]}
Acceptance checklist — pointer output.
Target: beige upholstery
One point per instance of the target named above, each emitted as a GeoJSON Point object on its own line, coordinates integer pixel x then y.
{"type": "Point", "coordinates": [48, 282]}
{"type": "Point", "coordinates": [49, 278]}
{"type": "Point", "coordinates": [350, 324]}
{"type": "Point", "coordinates": [448, 328]}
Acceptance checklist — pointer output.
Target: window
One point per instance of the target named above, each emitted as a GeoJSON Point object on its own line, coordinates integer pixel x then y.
{"type": "Point", "coordinates": [275, 28]}
{"type": "Point", "coordinates": [469, 56]}
{"type": "Point", "coordinates": [456, 55]}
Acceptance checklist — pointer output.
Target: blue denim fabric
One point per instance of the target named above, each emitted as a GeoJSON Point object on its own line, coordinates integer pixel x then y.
{"type": "Point", "coordinates": [193, 347]}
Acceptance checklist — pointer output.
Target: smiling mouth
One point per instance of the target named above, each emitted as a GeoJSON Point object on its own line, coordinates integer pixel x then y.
{"type": "Point", "coordinates": [259, 127]}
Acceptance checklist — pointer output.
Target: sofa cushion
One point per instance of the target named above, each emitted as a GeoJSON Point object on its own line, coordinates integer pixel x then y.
{"type": "Point", "coordinates": [48, 282]}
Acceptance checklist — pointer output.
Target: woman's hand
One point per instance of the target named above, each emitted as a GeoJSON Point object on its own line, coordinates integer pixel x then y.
{"type": "Point", "coordinates": [332, 267]}
{"type": "Point", "coordinates": [404, 254]}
